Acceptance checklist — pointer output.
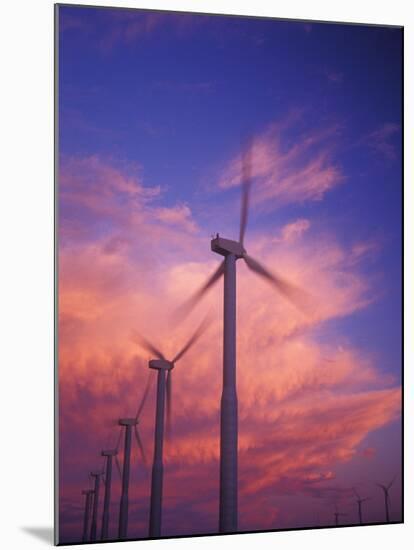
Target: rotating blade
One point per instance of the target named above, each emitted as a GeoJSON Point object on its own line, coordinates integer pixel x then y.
{"type": "Point", "coordinates": [140, 445]}
{"type": "Point", "coordinates": [147, 345]}
{"type": "Point", "coordinates": [118, 440]}
{"type": "Point", "coordinates": [294, 294]}
{"type": "Point", "coordinates": [118, 466]}
{"type": "Point", "coordinates": [246, 185]}
{"type": "Point", "coordinates": [185, 308]}
{"type": "Point", "coordinates": [199, 331]}
{"type": "Point", "coordinates": [392, 482]}
{"type": "Point", "coordinates": [144, 396]}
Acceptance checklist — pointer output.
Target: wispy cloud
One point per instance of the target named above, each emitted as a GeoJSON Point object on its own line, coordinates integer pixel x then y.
{"type": "Point", "coordinates": [113, 28]}
{"type": "Point", "coordinates": [99, 198]}
{"type": "Point", "coordinates": [294, 230]}
{"type": "Point", "coordinates": [383, 140]}
{"type": "Point", "coordinates": [297, 173]}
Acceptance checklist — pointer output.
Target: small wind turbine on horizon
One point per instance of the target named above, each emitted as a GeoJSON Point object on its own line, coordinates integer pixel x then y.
{"type": "Point", "coordinates": [164, 390]}
{"type": "Point", "coordinates": [96, 475]}
{"type": "Point", "coordinates": [128, 424]}
{"type": "Point", "coordinates": [108, 456]}
{"type": "Point", "coordinates": [233, 251]}
{"type": "Point", "coordinates": [88, 504]}
{"type": "Point", "coordinates": [337, 515]}
{"type": "Point", "coordinates": [359, 502]}
{"type": "Point", "coordinates": [386, 489]}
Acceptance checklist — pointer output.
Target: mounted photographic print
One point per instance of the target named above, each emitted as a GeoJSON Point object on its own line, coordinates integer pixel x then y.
{"type": "Point", "coordinates": [229, 274]}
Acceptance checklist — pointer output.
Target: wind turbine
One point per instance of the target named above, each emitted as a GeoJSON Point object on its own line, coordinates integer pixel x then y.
{"type": "Point", "coordinates": [386, 489]}
{"type": "Point", "coordinates": [359, 502]}
{"type": "Point", "coordinates": [128, 424]}
{"type": "Point", "coordinates": [109, 455]}
{"type": "Point", "coordinates": [338, 515]}
{"type": "Point", "coordinates": [88, 501]}
{"type": "Point", "coordinates": [233, 251]}
{"type": "Point", "coordinates": [164, 387]}
{"type": "Point", "coordinates": [96, 474]}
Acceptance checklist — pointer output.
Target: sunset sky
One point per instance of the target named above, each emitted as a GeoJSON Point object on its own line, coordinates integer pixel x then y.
{"type": "Point", "coordinates": [153, 108]}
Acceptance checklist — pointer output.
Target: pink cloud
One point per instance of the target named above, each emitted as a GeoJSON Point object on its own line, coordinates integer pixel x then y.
{"type": "Point", "coordinates": [179, 215]}
{"type": "Point", "coordinates": [368, 452]}
{"type": "Point", "coordinates": [299, 173]}
{"type": "Point", "coordinates": [294, 230]}
{"type": "Point", "coordinates": [305, 406]}
{"type": "Point", "coordinates": [95, 194]}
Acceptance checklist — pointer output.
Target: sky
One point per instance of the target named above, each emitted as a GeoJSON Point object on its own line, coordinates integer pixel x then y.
{"type": "Point", "coordinates": [153, 110]}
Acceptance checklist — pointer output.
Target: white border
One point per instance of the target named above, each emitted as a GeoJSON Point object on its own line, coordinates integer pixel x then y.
{"type": "Point", "coordinates": [26, 272]}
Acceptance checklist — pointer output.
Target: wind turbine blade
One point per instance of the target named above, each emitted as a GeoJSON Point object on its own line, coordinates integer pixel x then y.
{"type": "Point", "coordinates": [184, 309]}
{"type": "Point", "coordinates": [293, 293]}
{"type": "Point", "coordinates": [144, 396]}
{"type": "Point", "coordinates": [147, 345]}
{"type": "Point", "coordinates": [246, 184]}
{"type": "Point", "coordinates": [118, 466]}
{"type": "Point", "coordinates": [168, 394]}
{"type": "Point", "coordinates": [355, 492]}
{"type": "Point", "coordinates": [393, 479]}
{"type": "Point", "coordinates": [119, 440]}
{"type": "Point", "coordinates": [199, 331]}
{"type": "Point", "coordinates": [140, 445]}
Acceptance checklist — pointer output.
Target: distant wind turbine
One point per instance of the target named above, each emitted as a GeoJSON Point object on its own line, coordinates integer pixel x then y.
{"type": "Point", "coordinates": [337, 515]}
{"type": "Point", "coordinates": [129, 423]}
{"type": "Point", "coordinates": [96, 475]}
{"type": "Point", "coordinates": [386, 489]}
{"type": "Point", "coordinates": [109, 455]}
{"type": "Point", "coordinates": [88, 502]}
{"type": "Point", "coordinates": [359, 502]}
{"type": "Point", "coordinates": [232, 251]}
{"type": "Point", "coordinates": [164, 387]}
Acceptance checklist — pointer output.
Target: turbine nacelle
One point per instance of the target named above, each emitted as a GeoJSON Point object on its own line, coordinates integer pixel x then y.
{"type": "Point", "coordinates": [96, 473]}
{"type": "Point", "coordinates": [112, 452]}
{"type": "Point", "coordinates": [224, 247]}
{"type": "Point", "coordinates": [160, 364]}
{"type": "Point", "coordinates": [88, 491]}
{"type": "Point", "coordinates": [128, 421]}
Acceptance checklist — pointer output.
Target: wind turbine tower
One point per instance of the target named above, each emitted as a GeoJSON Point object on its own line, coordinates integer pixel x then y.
{"type": "Point", "coordinates": [88, 500]}
{"type": "Point", "coordinates": [96, 475]}
{"type": "Point", "coordinates": [359, 502]}
{"type": "Point", "coordinates": [109, 455]}
{"type": "Point", "coordinates": [386, 489]}
{"type": "Point", "coordinates": [129, 424]}
{"type": "Point", "coordinates": [337, 515]}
